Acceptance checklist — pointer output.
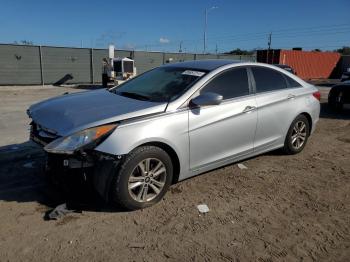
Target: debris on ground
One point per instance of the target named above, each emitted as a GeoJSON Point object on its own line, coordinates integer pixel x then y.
{"type": "Point", "coordinates": [137, 245]}
{"type": "Point", "coordinates": [59, 212]}
{"type": "Point", "coordinates": [241, 166]}
{"type": "Point", "coordinates": [203, 208]}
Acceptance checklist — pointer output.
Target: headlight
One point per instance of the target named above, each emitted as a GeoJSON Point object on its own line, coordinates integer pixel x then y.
{"type": "Point", "coordinates": [69, 144]}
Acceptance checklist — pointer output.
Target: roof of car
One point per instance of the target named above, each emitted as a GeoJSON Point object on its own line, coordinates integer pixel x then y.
{"type": "Point", "coordinates": [282, 65]}
{"type": "Point", "coordinates": [208, 64]}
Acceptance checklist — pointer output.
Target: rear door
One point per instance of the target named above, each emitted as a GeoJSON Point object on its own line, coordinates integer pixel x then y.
{"type": "Point", "coordinates": [221, 132]}
{"type": "Point", "coordinates": [277, 105]}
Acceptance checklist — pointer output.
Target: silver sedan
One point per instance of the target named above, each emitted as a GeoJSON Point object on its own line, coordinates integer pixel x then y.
{"type": "Point", "coordinates": [133, 141]}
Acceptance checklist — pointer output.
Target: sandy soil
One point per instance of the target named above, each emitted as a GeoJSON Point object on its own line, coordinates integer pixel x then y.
{"type": "Point", "coordinates": [282, 208]}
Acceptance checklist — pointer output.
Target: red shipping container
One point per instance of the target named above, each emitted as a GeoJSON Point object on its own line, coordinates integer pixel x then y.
{"type": "Point", "coordinates": [310, 65]}
{"type": "Point", "coordinates": [307, 64]}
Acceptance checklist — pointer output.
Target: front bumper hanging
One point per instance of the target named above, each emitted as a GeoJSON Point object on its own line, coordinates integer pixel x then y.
{"type": "Point", "coordinates": [94, 170]}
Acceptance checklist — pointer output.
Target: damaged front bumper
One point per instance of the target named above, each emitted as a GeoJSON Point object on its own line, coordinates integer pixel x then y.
{"type": "Point", "coordinates": [85, 166]}
{"type": "Point", "coordinates": [92, 169]}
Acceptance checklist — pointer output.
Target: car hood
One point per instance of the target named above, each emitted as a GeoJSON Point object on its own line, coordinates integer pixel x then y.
{"type": "Point", "coordinates": [68, 114]}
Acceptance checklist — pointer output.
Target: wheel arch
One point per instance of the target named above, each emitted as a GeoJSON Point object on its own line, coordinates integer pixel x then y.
{"type": "Point", "coordinates": [309, 119]}
{"type": "Point", "coordinates": [171, 152]}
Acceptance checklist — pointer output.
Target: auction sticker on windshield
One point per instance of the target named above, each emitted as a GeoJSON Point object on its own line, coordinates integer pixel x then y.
{"type": "Point", "coordinates": [193, 73]}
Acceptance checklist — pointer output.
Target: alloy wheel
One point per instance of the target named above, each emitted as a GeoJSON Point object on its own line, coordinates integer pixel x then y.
{"type": "Point", "coordinates": [298, 135]}
{"type": "Point", "coordinates": [147, 180]}
{"type": "Point", "coordinates": [340, 97]}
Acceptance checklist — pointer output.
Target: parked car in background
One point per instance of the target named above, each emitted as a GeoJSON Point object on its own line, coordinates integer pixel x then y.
{"type": "Point", "coordinates": [287, 68]}
{"type": "Point", "coordinates": [171, 123]}
{"type": "Point", "coordinates": [339, 95]}
{"type": "Point", "coordinates": [345, 76]}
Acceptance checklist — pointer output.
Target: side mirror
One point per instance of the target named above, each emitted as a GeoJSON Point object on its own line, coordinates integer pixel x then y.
{"type": "Point", "coordinates": [207, 99]}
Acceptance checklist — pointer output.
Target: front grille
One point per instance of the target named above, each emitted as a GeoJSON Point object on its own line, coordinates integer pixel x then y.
{"type": "Point", "coordinates": [41, 135]}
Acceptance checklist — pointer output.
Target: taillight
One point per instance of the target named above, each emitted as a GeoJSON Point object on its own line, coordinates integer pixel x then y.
{"type": "Point", "coordinates": [317, 95]}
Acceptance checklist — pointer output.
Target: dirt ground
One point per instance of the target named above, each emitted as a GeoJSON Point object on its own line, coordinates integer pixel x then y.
{"type": "Point", "coordinates": [282, 208]}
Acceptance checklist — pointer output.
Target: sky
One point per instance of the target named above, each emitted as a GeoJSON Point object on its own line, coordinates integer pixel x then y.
{"type": "Point", "coordinates": [165, 25]}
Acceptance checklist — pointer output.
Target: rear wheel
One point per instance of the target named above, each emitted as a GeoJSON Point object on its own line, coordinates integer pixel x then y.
{"type": "Point", "coordinates": [143, 178]}
{"type": "Point", "coordinates": [297, 135]}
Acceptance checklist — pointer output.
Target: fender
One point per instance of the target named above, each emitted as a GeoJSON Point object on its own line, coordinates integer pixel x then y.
{"type": "Point", "coordinates": [163, 128]}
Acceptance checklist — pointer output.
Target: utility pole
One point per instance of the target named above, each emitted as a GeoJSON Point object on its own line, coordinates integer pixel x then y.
{"type": "Point", "coordinates": [269, 47]}
{"type": "Point", "coordinates": [205, 29]}
{"type": "Point", "coordinates": [216, 49]}
{"type": "Point", "coordinates": [206, 25]}
{"type": "Point", "coordinates": [180, 49]}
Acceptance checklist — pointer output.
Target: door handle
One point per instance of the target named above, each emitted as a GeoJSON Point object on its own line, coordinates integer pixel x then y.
{"type": "Point", "coordinates": [249, 109]}
{"type": "Point", "coordinates": [290, 96]}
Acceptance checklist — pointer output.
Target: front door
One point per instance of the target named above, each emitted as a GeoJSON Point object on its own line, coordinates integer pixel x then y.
{"type": "Point", "coordinates": [221, 132]}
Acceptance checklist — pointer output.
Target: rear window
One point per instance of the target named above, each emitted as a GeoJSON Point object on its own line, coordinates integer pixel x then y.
{"type": "Point", "coordinates": [267, 79]}
{"type": "Point", "coordinates": [291, 82]}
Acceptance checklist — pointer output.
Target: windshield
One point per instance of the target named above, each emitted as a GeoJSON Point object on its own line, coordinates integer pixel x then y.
{"type": "Point", "coordinates": [162, 84]}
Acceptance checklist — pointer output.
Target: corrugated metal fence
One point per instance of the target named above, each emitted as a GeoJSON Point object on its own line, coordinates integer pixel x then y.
{"type": "Point", "coordinates": [33, 65]}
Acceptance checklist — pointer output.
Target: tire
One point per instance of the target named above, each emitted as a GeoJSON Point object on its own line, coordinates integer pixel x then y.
{"type": "Point", "coordinates": [336, 100]}
{"type": "Point", "coordinates": [132, 171]}
{"type": "Point", "coordinates": [291, 145]}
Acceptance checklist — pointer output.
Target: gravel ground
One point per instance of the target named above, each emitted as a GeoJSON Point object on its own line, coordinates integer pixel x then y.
{"type": "Point", "coordinates": [282, 208]}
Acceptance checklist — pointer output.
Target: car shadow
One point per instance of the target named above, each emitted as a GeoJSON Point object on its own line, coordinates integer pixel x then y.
{"type": "Point", "coordinates": [22, 179]}
{"type": "Point", "coordinates": [327, 112]}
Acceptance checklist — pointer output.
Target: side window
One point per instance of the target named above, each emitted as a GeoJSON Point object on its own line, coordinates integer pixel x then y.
{"type": "Point", "coordinates": [268, 79]}
{"type": "Point", "coordinates": [291, 82]}
{"type": "Point", "coordinates": [229, 84]}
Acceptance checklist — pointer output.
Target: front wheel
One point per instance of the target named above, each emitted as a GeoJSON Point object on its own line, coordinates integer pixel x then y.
{"type": "Point", "coordinates": [143, 178]}
{"type": "Point", "coordinates": [297, 135]}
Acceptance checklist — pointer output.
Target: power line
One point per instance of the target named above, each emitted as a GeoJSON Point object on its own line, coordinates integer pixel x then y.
{"type": "Point", "coordinates": [278, 34]}
{"type": "Point", "coordinates": [299, 29]}
{"type": "Point", "coordinates": [345, 30]}
{"type": "Point", "coordinates": [281, 38]}
{"type": "Point", "coordinates": [262, 36]}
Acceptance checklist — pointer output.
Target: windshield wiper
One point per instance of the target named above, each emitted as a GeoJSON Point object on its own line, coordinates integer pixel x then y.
{"type": "Point", "coordinates": [134, 95]}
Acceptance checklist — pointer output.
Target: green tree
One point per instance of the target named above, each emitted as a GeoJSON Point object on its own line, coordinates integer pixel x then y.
{"type": "Point", "coordinates": [345, 50]}
{"type": "Point", "coordinates": [239, 51]}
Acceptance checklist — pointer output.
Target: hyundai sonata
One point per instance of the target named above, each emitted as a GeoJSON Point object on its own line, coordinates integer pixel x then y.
{"type": "Point", "coordinates": [171, 123]}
